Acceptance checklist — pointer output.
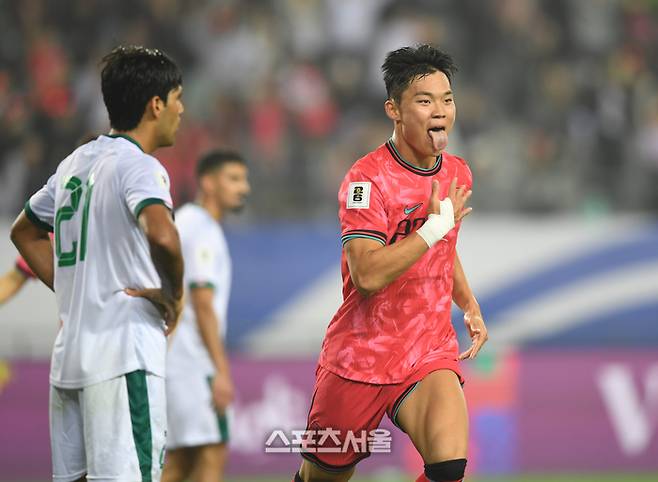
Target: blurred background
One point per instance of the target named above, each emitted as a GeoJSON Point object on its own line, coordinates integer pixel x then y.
{"type": "Point", "coordinates": [558, 118]}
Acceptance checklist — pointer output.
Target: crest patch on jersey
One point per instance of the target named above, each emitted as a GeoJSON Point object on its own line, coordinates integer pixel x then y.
{"type": "Point", "coordinates": [358, 195]}
{"type": "Point", "coordinates": [204, 255]}
{"type": "Point", "coordinates": [162, 180]}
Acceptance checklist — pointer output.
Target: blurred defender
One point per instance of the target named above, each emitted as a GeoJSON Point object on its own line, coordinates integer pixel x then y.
{"type": "Point", "coordinates": [391, 347]}
{"type": "Point", "coordinates": [199, 386]}
{"type": "Point", "coordinates": [117, 275]}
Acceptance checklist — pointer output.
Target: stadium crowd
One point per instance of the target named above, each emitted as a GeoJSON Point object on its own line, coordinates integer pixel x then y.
{"type": "Point", "coordinates": [557, 99]}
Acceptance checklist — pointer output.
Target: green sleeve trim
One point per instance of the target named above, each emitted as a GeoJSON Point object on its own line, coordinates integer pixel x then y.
{"type": "Point", "coordinates": [148, 202]}
{"type": "Point", "coordinates": [35, 219]}
{"type": "Point", "coordinates": [206, 284]}
{"type": "Point", "coordinates": [345, 239]}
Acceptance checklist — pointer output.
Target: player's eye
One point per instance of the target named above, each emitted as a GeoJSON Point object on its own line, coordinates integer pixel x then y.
{"type": "Point", "coordinates": [449, 100]}
{"type": "Point", "coordinates": [424, 101]}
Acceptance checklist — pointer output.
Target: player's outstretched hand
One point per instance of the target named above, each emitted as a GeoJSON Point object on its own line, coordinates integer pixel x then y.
{"type": "Point", "coordinates": [457, 195]}
{"type": "Point", "coordinates": [478, 333]}
{"type": "Point", "coordinates": [222, 391]}
{"type": "Point", "coordinates": [169, 307]}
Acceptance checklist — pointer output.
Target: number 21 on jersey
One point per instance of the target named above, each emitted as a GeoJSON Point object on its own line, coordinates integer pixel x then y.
{"type": "Point", "coordinates": [66, 213]}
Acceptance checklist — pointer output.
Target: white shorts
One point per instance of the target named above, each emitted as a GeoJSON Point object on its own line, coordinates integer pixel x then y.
{"type": "Point", "coordinates": [114, 430]}
{"type": "Point", "coordinates": [191, 415]}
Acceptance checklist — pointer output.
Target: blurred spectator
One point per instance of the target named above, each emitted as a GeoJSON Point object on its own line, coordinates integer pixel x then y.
{"type": "Point", "coordinates": [556, 98]}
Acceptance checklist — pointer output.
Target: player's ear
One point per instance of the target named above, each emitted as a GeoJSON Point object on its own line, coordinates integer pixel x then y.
{"type": "Point", "coordinates": [206, 185]}
{"type": "Point", "coordinates": [391, 108]}
{"type": "Point", "coordinates": [155, 106]}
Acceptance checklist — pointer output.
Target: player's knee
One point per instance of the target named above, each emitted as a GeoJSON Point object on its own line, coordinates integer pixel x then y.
{"type": "Point", "coordinates": [448, 471]}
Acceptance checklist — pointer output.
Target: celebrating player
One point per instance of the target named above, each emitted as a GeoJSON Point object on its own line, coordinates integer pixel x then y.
{"type": "Point", "coordinates": [117, 274]}
{"type": "Point", "coordinates": [391, 347]}
{"type": "Point", "coordinates": [199, 386]}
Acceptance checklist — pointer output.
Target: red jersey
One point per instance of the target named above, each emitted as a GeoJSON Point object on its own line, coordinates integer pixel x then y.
{"type": "Point", "coordinates": [381, 339]}
{"type": "Point", "coordinates": [22, 266]}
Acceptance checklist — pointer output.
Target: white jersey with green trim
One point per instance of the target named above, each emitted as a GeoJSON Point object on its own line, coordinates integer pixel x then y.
{"type": "Point", "coordinates": [207, 263]}
{"type": "Point", "coordinates": [93, 201]}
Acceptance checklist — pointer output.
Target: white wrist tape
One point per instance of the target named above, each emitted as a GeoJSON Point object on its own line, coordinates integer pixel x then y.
{"type": "Point", "coordinates": [438, 225]}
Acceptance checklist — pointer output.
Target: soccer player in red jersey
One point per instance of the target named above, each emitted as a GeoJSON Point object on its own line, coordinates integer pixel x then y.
{"type": "Point", "coordinates": [13, 280]}
{"type": "Point", "coordinates": [391, 347]}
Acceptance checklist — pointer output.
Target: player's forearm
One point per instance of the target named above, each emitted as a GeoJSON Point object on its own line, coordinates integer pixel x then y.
{"type": "Point", "coordinates": [168, 261]}
{"type": "Point", "coordinates": [10, 283]}
{"type": "Point", "coordinates": [34, 245]}
{"type": "Point", "coordinates": [164, 242]}
{"type": "Point", "coordinates": [209, 330]}
{"type": "Point", "coordinates": [462, 294]}
{"type": "Point", "coordinates": [374, 269]}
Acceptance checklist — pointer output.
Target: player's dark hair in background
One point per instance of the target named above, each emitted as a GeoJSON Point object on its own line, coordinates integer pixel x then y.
{"type": "Point", "coordinates": [131, 77]}
{"type": "Point", "coordinates": [216, 159]}
{"type": "Point", "coordinates": [403, 65]}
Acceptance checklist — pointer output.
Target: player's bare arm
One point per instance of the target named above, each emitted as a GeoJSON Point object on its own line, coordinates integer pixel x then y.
{"type": "Point", "coordinates": [373, 266]}
{"type": "Point", "coordinates": [10, 282]}
{"type": "Point", "coordinates": [463, 297]}
{"type": "Point", "coordinates": [34, 245]}
{"type": "Point", "coordinates": [160, 230]}
{"type": "Point", "coordinates": [208, 323]}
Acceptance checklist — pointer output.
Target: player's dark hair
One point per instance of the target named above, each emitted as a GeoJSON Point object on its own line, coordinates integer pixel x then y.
{"type": "Point", "coordinates": [403, 65]}
{"type": "Point", "coordinates": [213, 160]}
{"type": "Point", "coordinates": [130, 78]}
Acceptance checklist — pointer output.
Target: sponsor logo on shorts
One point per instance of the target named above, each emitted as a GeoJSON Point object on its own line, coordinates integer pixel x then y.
{"type": "Point", "coordinates": [329, 440]}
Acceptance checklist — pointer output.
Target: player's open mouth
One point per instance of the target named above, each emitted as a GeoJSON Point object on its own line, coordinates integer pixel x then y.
{"type": "Point", "coordinates": [438, 138]}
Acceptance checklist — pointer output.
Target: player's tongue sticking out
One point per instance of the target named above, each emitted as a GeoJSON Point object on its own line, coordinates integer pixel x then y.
{"type": "Point", "coordinates": [439, 138]}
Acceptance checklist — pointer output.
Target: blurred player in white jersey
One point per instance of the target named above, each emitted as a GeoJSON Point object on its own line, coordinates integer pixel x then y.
{"type": "Point", "coordinates": [199, 386]}
{"type": "Point", "coordinates": [116, 268]}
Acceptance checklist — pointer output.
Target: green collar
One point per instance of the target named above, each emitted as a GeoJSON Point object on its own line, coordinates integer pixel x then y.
{"type": "Point", "coordinates": [128, 138]}
{"type": "Point", "coordinates": [421, 171]}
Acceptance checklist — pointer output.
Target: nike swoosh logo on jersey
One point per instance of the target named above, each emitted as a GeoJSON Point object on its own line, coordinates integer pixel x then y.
{"type": "Point", "coordinates": [408, 211]}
